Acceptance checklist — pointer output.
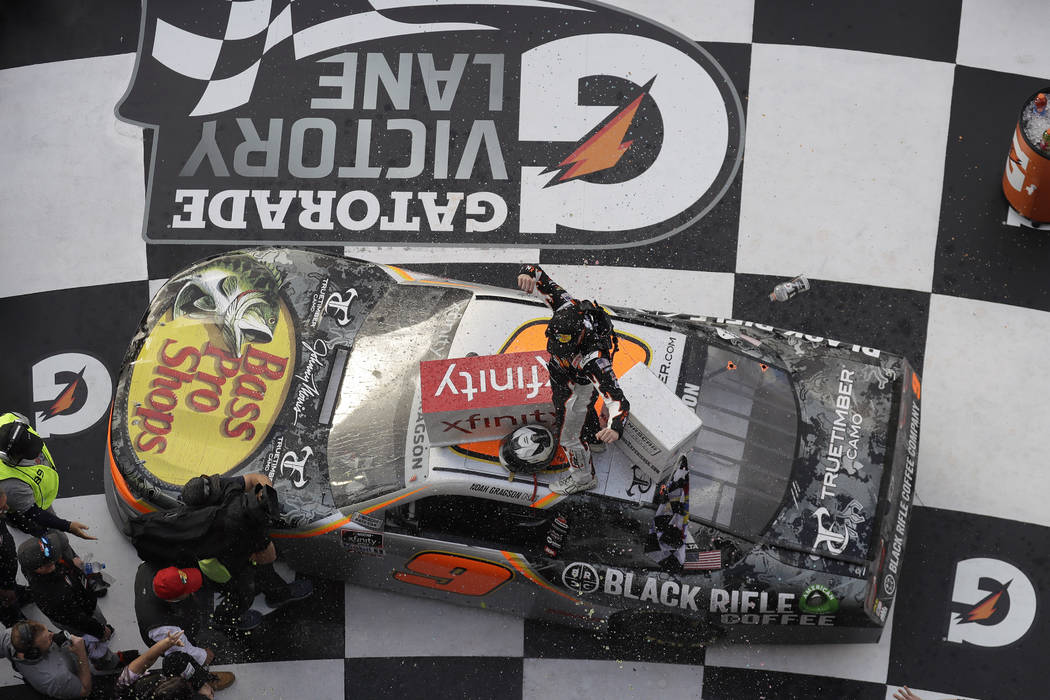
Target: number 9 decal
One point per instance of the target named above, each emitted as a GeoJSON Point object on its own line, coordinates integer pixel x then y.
{"type": "Point", "coordinates": [453, 573]}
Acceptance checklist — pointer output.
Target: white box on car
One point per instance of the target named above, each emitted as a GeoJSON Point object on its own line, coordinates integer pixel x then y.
{"type": "Point", "coordinates": [660, 427]}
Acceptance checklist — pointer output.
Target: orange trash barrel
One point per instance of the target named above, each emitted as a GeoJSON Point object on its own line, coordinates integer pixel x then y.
{"type": "Point", "coordinates": [1026, 180]}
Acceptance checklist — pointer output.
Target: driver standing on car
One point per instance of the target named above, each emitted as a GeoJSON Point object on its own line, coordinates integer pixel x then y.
{"type": "Point", "coordinates": [581, 347]}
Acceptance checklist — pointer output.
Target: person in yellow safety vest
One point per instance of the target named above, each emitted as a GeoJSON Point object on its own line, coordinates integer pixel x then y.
{"type": "Point", "coordinates": [30, 480]}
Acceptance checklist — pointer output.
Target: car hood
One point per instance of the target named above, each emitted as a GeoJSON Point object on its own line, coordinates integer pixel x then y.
{"type": "Point", "coordinates": [234, 369]}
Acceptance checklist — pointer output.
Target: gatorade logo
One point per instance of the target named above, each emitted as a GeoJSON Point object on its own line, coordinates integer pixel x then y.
{"type": "Point", "coordinates": [993, 603]}
{"type": "Point", "coordinates": [71, 392]}
{"type": "Point", "coordinates": [409, 121]}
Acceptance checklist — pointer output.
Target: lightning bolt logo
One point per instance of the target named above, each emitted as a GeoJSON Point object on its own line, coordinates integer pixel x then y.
{"type": "Point", "coordinates": [604, 147]}
{"type": "Point", "coordinates": [65, 399]}
{"type": "Point", "coordinates": [985, 608]}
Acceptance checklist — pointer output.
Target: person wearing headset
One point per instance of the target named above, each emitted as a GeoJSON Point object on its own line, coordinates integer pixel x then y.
{"type": "Point", "coordinates": [30, 480]}
{"type": "Point", "coordinates": [52, 663]}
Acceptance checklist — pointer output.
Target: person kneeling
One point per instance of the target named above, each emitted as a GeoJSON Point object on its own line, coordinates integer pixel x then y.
{"type": "Point", "coordinates": [179, 678]}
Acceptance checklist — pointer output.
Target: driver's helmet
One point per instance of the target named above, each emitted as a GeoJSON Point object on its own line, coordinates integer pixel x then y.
{"type": "Point", "coordinates": [528, 450]}
{"type": "Point", "coordinates": [18, 443]}
{"type": "Point", "coordinates": [563, 331]}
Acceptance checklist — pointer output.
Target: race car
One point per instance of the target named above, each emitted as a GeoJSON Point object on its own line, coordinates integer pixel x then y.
{"type": "Point", "coordinates": [306, 367]}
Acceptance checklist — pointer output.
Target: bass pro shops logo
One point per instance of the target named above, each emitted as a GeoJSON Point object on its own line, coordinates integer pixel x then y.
{"type": "Point", "coordinates": [993, 603]}
{"type": "Point", "coordinates": [536, 123]}
{"type": "Point", "coordinates": [71, 392]}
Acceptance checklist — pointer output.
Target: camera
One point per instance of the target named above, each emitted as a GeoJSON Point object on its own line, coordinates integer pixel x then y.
{"type": "Point", "coordinates": [60, 638]}
{"type": "Point", "coordinates": [177, 662]}
{"type": "Point", "coordinates": [97, 585]}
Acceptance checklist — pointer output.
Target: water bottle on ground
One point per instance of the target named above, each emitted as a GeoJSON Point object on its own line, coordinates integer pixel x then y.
{"type": "Point", "coordinates": [93, 567]}
{"type": "Point", "coordinates": [789, 289]}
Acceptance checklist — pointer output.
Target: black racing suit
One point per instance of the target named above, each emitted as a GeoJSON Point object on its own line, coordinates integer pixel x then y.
{"type": "Point", "coordinates": [13, 595]}
{"type": "Point", "coordinates": [64, 594]}
{"type": "Point", "coordinates": [576, 381]}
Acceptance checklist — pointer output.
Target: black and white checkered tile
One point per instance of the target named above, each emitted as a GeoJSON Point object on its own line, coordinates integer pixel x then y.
{"type": "Point", "coordinates": [875, 143]}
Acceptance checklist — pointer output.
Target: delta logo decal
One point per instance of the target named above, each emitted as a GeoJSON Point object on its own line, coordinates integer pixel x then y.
{"type": "Point", "coordinates": [537, 123]}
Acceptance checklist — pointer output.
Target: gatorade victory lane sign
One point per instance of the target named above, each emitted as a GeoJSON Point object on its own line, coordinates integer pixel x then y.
{"type": "Point", "coordinates": [497, 123]}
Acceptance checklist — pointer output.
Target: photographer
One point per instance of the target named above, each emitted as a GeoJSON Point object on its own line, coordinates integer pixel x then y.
{"type": "Point", "coordinates": [63, 592]}
{"type": "Point", "coordinates": [222, 529]}
{"type": "Point", "coordinates": [50, 662]}
{"type": "Point", "coordinates": [180, 677]}
{"type": "Point", "coordinates": [242, 555]}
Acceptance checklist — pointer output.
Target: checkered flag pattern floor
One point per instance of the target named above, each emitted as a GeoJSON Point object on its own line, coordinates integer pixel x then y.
{"type": "Point", "coordinates": [226, 60]}
{"type": "Point", "coordinates": [875, 144]}
{"type": "Point", "coordinates": [225, 57]}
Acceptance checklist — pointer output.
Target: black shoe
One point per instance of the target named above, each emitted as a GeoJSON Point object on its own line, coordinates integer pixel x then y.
{"type": "Point", "coordinates": [97, 585]}
{"type": "Point", "coordinates": [298, 589]}
{"type": "Point", "coordinates": [249, 620]}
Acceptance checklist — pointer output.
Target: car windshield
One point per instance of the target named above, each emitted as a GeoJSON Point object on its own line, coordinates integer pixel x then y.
{"type": "Point", "coordinates": [366, 446]}
{"type": "Point", "coordinates": [742, 464]}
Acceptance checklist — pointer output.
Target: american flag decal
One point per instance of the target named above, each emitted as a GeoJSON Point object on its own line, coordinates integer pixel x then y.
{"type": "Point", "coordinates": [695, 559]}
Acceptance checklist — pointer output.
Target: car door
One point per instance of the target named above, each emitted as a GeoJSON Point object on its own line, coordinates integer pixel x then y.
{"type": "Point", "coordinates": [464, 550]}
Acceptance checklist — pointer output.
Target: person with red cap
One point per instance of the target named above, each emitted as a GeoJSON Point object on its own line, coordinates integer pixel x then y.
{"type": "Point", "coordinates": [166, 602]}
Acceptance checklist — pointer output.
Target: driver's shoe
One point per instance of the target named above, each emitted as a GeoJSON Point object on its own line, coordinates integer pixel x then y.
{"type": "Point", "coordinates": [575, 481]}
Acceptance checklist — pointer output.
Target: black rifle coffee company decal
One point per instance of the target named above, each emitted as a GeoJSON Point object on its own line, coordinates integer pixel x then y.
{"type": "Point", "coordinates": [427, 121]}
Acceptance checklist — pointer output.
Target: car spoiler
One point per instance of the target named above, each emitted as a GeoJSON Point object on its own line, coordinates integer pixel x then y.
{"type": "Point", "coordinates": [896, 499]}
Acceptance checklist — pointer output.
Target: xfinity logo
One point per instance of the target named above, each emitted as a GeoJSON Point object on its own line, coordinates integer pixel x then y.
{"type": "Point", "coordinates": [482, 380]}
{"type": "Point", "coordinates": [71, 392]}
{"type": "Point", "coordinates": [993, 603]}
{"type": "Point", "coordinates": [375, 121]}
{"type": "Point", "coordinates": [468, 425]}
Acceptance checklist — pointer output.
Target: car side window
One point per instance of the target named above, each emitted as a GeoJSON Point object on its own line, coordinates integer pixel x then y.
{"type": "Point", "coordinates": [608, 531]}
{"type": "Point", "coordinates": [480, 520]}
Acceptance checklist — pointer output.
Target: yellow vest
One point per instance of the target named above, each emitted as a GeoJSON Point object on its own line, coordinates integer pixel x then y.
{"type": "Point", "coordinates": [42, 478]}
